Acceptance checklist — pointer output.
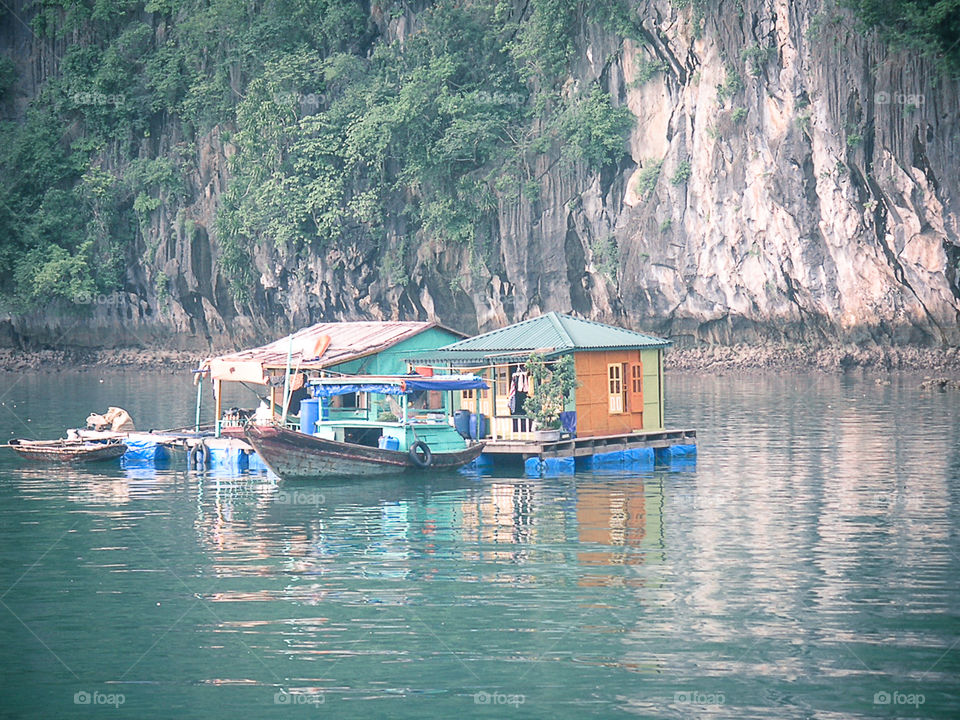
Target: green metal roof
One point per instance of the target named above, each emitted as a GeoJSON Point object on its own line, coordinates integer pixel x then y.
{"type": "Point", "coordinates": [551, 334]}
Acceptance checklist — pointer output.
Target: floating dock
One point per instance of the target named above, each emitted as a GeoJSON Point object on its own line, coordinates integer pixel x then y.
{"type": "Point", "coordinates": [581, 447]}
{"type": "Point", "coordinates": [197, 449]}
{"type": "Point", "coordinates": [635, 450]}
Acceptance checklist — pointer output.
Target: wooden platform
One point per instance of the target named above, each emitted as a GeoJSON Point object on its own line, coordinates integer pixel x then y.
{"type": "Point", "coordinates": [173, 440]}
{"type": "Point", "coordinates": [580, 447]}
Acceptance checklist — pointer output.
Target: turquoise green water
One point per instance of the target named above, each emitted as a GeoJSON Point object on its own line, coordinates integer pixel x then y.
{"type": "Point", "coordinates": [809, 567]}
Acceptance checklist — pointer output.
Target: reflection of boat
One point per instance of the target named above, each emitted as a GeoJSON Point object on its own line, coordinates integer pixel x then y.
{"type": "Point", "coordinates": [68, 451]}
{"type": "Point", "coordinates": [369, 436]}
{"type": "Point", "coordinates": [294, 455]}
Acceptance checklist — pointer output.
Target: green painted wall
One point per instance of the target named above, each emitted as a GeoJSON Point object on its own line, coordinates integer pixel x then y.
{"type": "Point", "coordinates": [652, 390]}
{"type": "Point", "coordinates": [390, 361]}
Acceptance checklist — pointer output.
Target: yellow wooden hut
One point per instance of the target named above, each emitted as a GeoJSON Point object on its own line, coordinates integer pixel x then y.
{"type": "Point", "coordinates": [620, 375]}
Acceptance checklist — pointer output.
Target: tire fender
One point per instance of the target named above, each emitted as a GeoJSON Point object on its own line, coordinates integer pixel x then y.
{"type": "Point", "coordinates": [420, 454]}
{"type": "Point", "coordinates": [199, 456]}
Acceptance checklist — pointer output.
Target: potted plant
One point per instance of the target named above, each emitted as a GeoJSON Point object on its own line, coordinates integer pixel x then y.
{"type": "Point", "coordinates": [552, 383]}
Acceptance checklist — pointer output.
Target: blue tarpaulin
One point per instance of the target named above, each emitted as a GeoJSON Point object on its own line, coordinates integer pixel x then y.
{"type": "Point", "coordinates": [144, 451]}
{"type": "Point", "coordinates": [446, 382]}
{"type": "Point", "coordinates": [404, 387]}
{"type": "Point", "coordinates": [549, 467]}
{"type": "Point", "coordinates": [324, 391]}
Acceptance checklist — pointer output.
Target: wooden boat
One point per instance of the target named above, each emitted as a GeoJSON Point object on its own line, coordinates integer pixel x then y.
{"type": "Point", "coordinates": [293, 455]}
{"type": "Point", "coordinates": [380, 436]}
{"type": "Point", "coordinates": [68, 451]}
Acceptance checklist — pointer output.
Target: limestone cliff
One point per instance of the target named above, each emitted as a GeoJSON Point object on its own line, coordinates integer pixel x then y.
{"type": "Point", "coordinates": [788, 178]}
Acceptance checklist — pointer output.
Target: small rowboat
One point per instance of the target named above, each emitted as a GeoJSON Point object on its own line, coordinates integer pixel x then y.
{"type": "Point", "coordinates": [68, 451]}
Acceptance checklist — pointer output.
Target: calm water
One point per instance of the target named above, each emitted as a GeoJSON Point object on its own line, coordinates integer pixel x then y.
{"type": "Point", "coordinates": [809, 567]}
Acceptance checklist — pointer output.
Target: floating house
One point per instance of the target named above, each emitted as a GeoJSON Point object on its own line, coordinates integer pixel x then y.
{"type": "Point", "coordinates": [325, 349]}
{"type": "Point", "coordinates": [619, 371]}
{"type": "Point", "coordinates": [349, 348]}
{"type": "Point", "coordinates": [617, 406]}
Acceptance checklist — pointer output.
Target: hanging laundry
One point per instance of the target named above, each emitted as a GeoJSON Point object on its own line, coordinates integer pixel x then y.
{"type": "Point", "coordinates": [519, 387]}
{"type": "Point", "coordinates": [523, 380]}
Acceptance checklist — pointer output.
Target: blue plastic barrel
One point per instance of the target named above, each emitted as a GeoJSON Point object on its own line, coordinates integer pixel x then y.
{"type": "Point", "coordinates": [461, 422]}
{"type": "Point", "coordinates": [309, 414]}
{"type": "Point", "coordinates": [478, 432]}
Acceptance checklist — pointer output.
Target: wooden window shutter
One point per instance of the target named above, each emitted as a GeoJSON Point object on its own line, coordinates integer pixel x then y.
{"type": "Point", "coordinates": [636, 387]}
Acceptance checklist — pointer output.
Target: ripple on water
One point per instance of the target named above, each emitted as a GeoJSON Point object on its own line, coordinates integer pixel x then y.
{"type": "Point", "coordinates": [806, 563]}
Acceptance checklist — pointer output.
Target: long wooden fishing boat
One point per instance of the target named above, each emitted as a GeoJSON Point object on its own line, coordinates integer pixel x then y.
{"type": "Point", "coordinates": [294, 455]}
{"type": "Point", "coordinates": [382, 434]}
{"type": "Point", "coordinates": [67, 451]}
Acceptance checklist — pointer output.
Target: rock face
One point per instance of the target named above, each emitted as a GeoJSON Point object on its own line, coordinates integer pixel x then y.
{"type": "Point", "coordinates": [807, 191]}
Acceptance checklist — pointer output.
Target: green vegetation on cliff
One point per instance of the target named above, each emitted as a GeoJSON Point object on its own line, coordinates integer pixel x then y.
{"type": "Point", "coordinates": [931, 27]}
{"type": "Point", "coordinates": [336, 126]}
{"type": "Point", "coordinates": [352, 122]}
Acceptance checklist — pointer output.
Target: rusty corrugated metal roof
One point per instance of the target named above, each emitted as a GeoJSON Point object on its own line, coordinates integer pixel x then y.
{"type": "Point", "coordinates": [348, 341]}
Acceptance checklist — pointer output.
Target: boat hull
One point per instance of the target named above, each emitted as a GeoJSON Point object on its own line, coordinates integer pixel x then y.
{"type": "Point", "coordinates": [293, 455]}
{"type": "Point", "coordinates": [67, 451]}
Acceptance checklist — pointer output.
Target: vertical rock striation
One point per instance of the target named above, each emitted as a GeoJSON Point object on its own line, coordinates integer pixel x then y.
{"type": "Point", "coordinates": [788, 178]}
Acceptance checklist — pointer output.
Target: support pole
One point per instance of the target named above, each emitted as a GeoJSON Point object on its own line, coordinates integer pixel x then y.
{"type": "Point", "coordinates": [196, 423]}
{"type": "Point", "coordinates": [286, 383]}
{"type": "Point", "coordinates": [476, 394]}
{"type": "Point", "coordinates": [218, 392]}
{"type": "Point", "coordinates": [493, 402]}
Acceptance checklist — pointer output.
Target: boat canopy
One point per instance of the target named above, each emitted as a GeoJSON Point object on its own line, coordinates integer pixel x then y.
{"type": "Point", "coordinates": [328, 387]}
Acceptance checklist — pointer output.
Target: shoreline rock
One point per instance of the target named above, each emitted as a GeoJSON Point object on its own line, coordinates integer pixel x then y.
{"type": "Point", "coordinates": [831, 358]}
{"type": "Point", "coordinates": [772, 357]}
{"type": "Point", "coordinates": [173, 361]}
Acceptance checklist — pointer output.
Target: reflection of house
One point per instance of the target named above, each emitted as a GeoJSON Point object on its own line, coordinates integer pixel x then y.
{"type": "Point", "coordinates": [620, 374]}
{"type": "Point", "coordinates": [614, 517]}
{"type": "Point", "coordinates": [620, 524]}
{"type": "Point", "coordinates": [353, 348]}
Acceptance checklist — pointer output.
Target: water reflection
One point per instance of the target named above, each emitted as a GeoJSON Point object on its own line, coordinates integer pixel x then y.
{"type": "Point", "coordinates": [808, 562]}
{"type": "Point", "coordinates": [389, 528]}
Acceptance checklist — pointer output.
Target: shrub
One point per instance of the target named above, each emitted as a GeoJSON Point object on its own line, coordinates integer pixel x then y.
{"type": "Point", "coordinates": [682, 173]}
{"type": "Point", "coordinates": [647, 178]}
